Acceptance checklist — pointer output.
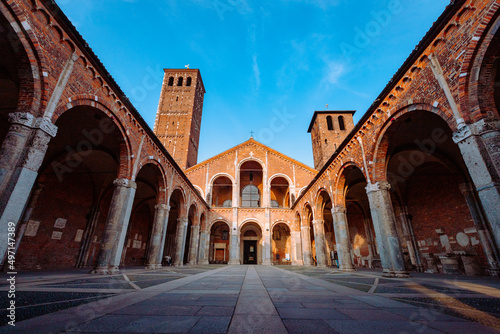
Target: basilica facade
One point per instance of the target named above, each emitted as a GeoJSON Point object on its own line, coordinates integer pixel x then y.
{"type": "Point", "coordinates": [85, 182]}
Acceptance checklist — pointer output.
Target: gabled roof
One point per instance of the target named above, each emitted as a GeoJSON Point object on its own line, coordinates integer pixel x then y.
{"type": "Point", "coordinates": [253, 142]}
{"type": "Point", "coordinates": [332, 112]}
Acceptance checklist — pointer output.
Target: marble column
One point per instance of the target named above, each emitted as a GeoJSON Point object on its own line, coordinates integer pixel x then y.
{"type": "Point", "coordinates": [163, 235]}
{"type": "Point", "coordinates": [193, 245]}
{"type": "Point", "coordinates": [384, 222]}
{"type": "Point", "coordinates": [204, 244]}
{"type": "Point", "coordinates": [21, 155]}
{"type": "Point", "coordinates": [319, 239]}
{"type": "Point", "coordinates": [478, 144]}
{"type": "Point", "coordinates": [234, 245]}
{"type": "Point", "coordinates": [266, 245]}
{"type": "Point", "coordinates": [297, 257]}
{"type": "Point", "coordinates": [306, 245]}
{"type": "Point", "coordinates": [342, 238]}
{"type": "Point", "coordinates": [154, 260]}
{"type": "Point", "coordinates": [484, 235]}
{"type": "Point", "coordinates": [180, 243]}
{"type": "Point", "coordinates": [108, 260]}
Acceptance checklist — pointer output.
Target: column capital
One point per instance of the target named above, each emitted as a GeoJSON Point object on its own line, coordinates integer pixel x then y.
{"type": "Point", "coordinates": [125, 183]}
{"type": "Point", "coordinates": [476, 129]}
{"type": "Point", "coordinates": [338, 209]}
{"type": "Point", "coordinates": [162, 207]}
{"type": "Point", "coordinates": [305, 227]}
{"type": "Point", "coordinates": [318, 221]}
{"type": "Point", "coordinates": [30, 121]}
{"type": "Point", "coordinates": [183, 220]}
{"type": "Point", "coordinates": [378, 186]}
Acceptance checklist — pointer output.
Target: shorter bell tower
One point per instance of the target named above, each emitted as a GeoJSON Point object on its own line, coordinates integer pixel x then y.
{"type": "Point", "coordinates": [328, 130]}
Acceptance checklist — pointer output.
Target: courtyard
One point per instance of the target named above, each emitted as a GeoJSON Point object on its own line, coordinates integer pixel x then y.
{"type": "Point", "coordinates": [251, 299]}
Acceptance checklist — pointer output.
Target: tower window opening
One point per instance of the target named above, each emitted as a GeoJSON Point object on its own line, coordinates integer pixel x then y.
{"type": "Point", "coordinates": [180, 81]}
{"type": "Point", "coordinates": [329, 122]}
{"type": "Point", "coordinates": [188, 81]}
{"type": "Point", "coordinates": [341, 123]}
{"type": "Point", "coordinates": [171, 81]}
{"type": "Point", "coordinates": [177, 99]}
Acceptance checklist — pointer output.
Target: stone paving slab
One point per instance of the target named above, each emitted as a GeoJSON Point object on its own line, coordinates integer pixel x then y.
{"type": "Point", "coordinates": [249, 299]}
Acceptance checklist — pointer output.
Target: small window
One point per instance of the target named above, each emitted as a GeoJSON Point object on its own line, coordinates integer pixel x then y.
{"type": "Point", "coordinates": [274, 204]}
{"type": "Point", "coordinates": [171, 81]}
{"type": "Point", "coordinates": [329, 122]}
{"type": "Point", "coordinates": [180, 81]}
{"type": "Point", "coordinates": [341, 123]}
{"type": "Point", "coordinates": [188, 81]}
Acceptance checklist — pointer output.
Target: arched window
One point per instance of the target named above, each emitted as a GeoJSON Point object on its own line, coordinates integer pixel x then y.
{"type": "Point", "coordinates": [341, 123]}
{"type": "Point", "coordinates": [274, 204]}
{"type": "Point", "coordinates": [188, 81]}
{"type": "Point", "coordinates": [171, 81]}
{"type": "Point", "coordinates": [179, 82]}
{"type": "Point", "coordinates": [250, 197]}
{"type": "Point", "coordinates": [227, 203]}
{"type": "Point", "coordinates": [329, 122]}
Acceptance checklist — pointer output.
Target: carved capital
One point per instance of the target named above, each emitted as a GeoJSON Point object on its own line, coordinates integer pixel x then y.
{"type": "Point", "coordinates": [22, 118]}
{"type": "Point", "coordinates": [184, 221]}
{"type": "Point", "coordinates": [462, 133]}
{"type": "Point", "coordinates": [305, 228]}
{"type": "Point", "coordinates": [161, 207]}
{"type": "Point", "coordinates": [35, 153]}
{"type": "Point", "coordinates": [338, 209]}
{"type": "Point", "coordinates": [382, 185]}
{"type": "Point", "coordinates": [126, 183]}
{"type": "Point", "coordinates": [46, 125]}
{"type": "Point", "coordinates": [318, 221]}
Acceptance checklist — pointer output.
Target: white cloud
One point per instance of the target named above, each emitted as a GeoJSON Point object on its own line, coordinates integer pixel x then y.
{"type": "Point", "coordinates": [256, 71]}
{"type": "Point", "coordinates": [334, 71]}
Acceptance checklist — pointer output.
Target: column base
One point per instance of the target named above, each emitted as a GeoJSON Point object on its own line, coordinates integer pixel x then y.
{"type": "Point", "coordinates": [153, 266]}
{"type": "Point", "coordinates": [267, 263]}
{"type": "Point", "coordinates": [234, 262]}
{"type": "Point", "coordinates": [203, 263]}
{"type": "Point", "coordinates": [192, 263]}
{"type": "Point", "coordinates": [105, 271]}
{"type": "Point", "coordinates": [347, 269]}
{"type": "Point", "coordinates": [402, 274]}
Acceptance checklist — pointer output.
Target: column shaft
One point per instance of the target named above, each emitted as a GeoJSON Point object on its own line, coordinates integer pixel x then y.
{"type": "Point", "coordinates": [182, 224]}
{"type": "Point", "coordinates": [306, 245]}
{"type": "Point", "coordinates": [193, 247]}
{"type": "Point", "coordinates": [156, 237]}
{"type": "Point", "coordinates": [109, 257]}
{"type": "Point", "coordinates": [384, 222]}
{"type": "Point", "coordinates": [342, 238]}
{"type": "Point", "coordinates": [319, 239]}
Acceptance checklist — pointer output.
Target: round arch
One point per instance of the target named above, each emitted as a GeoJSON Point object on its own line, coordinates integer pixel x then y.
{"type": "Point", "coordinates": [216, 176]}
{"type": "Point", "coordinates": [262, 164]}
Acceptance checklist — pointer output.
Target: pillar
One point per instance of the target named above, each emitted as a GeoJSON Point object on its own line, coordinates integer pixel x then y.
{"type": "Point", "coordinates": [297, 257]}
{"type": "Point", "coordinates": [154, 260]}
{"type": "Point", "coordinates": [384, 222]}
{"type": "Point", "coordinates": [342, 238]}
{"type": "Point", "coordinates": [478, 144]}
{"type": "Point", "coordinates": [266, 244]}
{"type": "Point", "coordinates": [21, 155]}
{"type": "Point", "coordinates": [306, 245]}
{"type": "Point", "coordinates": [204, 247]}
{"type": "Point", "coordinates": [166, 211]}
{"type": "Point", "coordinates": [108, 260]}
{"type": "Point", "coordinates": [483, 233]}
{"type": "Point", "coordinates": [319, 238]}
{"type": "Point", "coordinates": [234, 245]}
{"type": "Point", "coordinates": [180, 242]}
{"type": "Point", "coordinates": [193, 246]}
{"type": "Point", "coordinates": [369, 239]}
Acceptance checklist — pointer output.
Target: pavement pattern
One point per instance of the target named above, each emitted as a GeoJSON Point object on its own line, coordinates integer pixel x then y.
{"type": "Point", "coordinates": [252, 299]}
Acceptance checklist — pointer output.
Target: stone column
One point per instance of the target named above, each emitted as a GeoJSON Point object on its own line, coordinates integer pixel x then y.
{"type": "Point", "coordinates": [306, 245]}
{"type": "Point", "coordinates": [180, 243]}
{"type": "Point", "coordinates": [297, 257]}
{"type": "Point", "coordinates": [369, 239]}
{"type": "Point", "coordinates": [484, 235]}
{"type": "Point", "coordinates": [21, 155]}
{"type": "Point", "coordinates": [156, 237]}
{"type": "Point", "coordinates": [384, 222]}
{"type": "Point", "coordinates": [193, 246]}
{"type": "Point", "coordinates": [234, 245]}
{"type": "Point", "coordinates": [110, 254]}
{"type": "Point", "coordinates": [204, 244]}
{"type": "Point", "coordinates": [342, 238]}
{"type": "Point", "coordinates": [411, 242]}
{"type": "Point", "coordinates": [266, 245]}
{"type": "Point", "coordinates": [478, 144]}
{"type": "Point", "coordinates": [319, 239]}
{"type": "Point", "coordinates": [163, 235]}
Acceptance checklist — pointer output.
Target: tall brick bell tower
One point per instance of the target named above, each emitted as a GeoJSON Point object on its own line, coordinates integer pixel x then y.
{"type": "Point", "coordinates": [178, 119]}
{"type": "Point", "coordinates": [328, 130]}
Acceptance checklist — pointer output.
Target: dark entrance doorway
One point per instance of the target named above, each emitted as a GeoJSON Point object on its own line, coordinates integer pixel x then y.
{"type": "Point", "coordinates": [250, 252]}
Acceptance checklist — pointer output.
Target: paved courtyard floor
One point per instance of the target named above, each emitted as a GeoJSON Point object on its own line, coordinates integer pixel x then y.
{"type": "Point", "coordinates": [250, 299]}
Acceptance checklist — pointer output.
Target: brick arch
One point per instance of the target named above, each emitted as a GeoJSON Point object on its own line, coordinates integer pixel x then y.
{"type": "Point", "coordinates": [218, 220]}
{"type": "Point", "coordinates": [319, 202]}
{"type": "Point", "coordinates": [199, 189]}
{"type": "Point", "coordinates": [216, 176]}
{"type": "Point", "coordinates": [338, 199]}
{"type": "Point", "coordinates": [280, 221]}
{"type": "Point", "coordinates": [32, 92]}
{"type": "Point", "coordinates": [250, 221]}
{"type": "Point", "coordinates": [304, 215]}
{"type": "Point", "coordinates": [379, 153]}
{"type": "Point", "coordinates": [262, 164]}
{"type": "Point", "coordinates": [162, 182]}
{"type": "Point", "coordinates": [183, 200]}
{"type": "Point", "coordinates": [469, 80]}
{"type": "Point", "coordinates": [125, 169]}
{"type": "Point", "coordinates": [196, 215]}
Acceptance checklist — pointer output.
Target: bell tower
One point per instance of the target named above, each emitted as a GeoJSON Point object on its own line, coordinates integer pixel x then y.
{"type": "Point", "coordinates": [328, 130]}
{"type": "Point", "coordinates": [178, 119]}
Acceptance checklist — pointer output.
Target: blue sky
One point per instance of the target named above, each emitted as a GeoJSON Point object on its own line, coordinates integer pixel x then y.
{"type": "Point", "coordinates": [266, 65]}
